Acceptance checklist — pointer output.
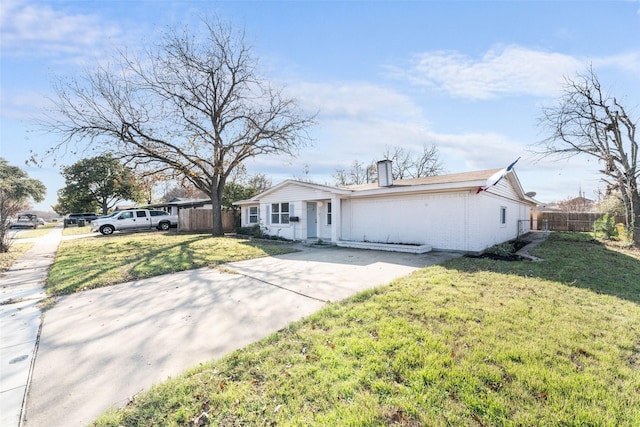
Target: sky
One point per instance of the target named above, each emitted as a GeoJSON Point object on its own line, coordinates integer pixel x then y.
{"type": "Point", "coordinates": [471, 77]}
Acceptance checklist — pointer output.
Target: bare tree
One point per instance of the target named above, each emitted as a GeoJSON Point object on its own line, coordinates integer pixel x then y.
{"type": "Point", "coordinates": [588, 121]}
{"type": "Point", "coordinates": [405, 164]}
{"type": "Point", "coordinates": [428, 163]}
{"type": "Point", "coordinates": [402, 163]}
{"type": "Point", "coordinates": [259, 181]}
{"type": "Point", "coordinates": [193, 106]}
{"type": "Point", "coordinates": [358, 173]}
{"type": "Point", "coordinates": [341, 176]}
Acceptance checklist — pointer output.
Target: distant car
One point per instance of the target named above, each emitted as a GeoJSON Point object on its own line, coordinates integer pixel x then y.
{"type": "Point", "coordinates": [26, 221]}
{"type": "Point", "coordinates": [73, 218]}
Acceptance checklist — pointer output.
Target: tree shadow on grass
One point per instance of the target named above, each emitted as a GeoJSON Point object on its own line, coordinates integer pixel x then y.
{"type": "Point", "coordinates": [140, 259]}
{"type": "Point", "coordinates": [572, 261]}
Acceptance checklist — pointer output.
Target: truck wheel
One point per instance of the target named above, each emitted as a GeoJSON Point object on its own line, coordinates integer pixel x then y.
{"type": "Point", "coordinates": [164, 226]}
{"type": "Point", "coordinates": [107, 229]}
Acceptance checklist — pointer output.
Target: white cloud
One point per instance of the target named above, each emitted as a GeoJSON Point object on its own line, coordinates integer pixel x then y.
{"type": "Point", "coordinates": [355, 100]}
{"type": "Point", "coordinates": [358, 120]}
{"type": "Point", "coordinates": [628, 62]}
{"type": "Point", "coordinates": [24, 105]}
{"type": "Point", "coordinates": [31, 29]}
{"type": "Point", "coordinates": [505, 70]}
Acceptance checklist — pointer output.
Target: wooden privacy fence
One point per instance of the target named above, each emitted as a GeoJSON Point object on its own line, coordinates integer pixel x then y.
{"type": "Point", "coordinates": [571, 221]}
{"type": "Point", "coordinates": [201, 220]}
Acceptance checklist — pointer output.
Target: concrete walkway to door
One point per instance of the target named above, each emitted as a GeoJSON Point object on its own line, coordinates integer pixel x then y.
{"type": "Point", "coordinates": [99, 348]}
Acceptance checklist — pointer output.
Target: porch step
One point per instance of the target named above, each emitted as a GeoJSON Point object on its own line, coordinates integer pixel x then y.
{"type": "Point", "coordinates": [391, 247]}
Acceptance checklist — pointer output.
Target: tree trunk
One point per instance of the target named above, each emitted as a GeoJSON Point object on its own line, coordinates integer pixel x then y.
{"type": "Point", "coordinates": [216, 213]}
{"type": "Point", "coordinates": [216, 204]}
{"type": "Point", "coordinates": [634, 225]}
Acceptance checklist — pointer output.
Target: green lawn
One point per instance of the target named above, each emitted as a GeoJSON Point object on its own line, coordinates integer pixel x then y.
{"type": "Point", "coordinates": [89, 263]}
{"type": "Point", "coordinates": [74, 231]}
{"type": "Point", "coordinates": [42, 230]}
{"type": "Point", "coordinates": [474, 342]}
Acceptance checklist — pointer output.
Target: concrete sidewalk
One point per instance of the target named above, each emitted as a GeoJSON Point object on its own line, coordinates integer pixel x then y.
{"type": "Point", "coordinates": [100, 348]}
{"type": "Point", "coordinates": [21, 288]}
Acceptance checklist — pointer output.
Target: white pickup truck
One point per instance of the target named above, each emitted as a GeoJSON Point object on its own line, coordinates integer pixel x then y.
{"type": "Point", "coordinates": [135, 219]}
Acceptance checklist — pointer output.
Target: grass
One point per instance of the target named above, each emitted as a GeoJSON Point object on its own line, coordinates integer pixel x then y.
{"type": "Point", "coordinates": [16, 249]}
{"type": "Point", "coordinates": [474, 342]}
{"type": "Point", "coordinates": [83, 264]}
{"type": "Point", "coordinates": [38, 232]}
{"type": "Point", "coordinates": [75, 231]}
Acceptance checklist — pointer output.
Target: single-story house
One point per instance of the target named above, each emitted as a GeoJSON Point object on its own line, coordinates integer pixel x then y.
{"type": "Point", "coordinates": [445, 212]}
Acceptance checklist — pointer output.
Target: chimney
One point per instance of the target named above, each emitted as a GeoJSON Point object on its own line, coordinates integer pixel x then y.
{"type": "Point", "coordinates": [385, 177]}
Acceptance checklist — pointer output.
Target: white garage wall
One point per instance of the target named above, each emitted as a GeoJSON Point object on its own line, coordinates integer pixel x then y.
{"type": "Point", "coordinates": [461, 221]}
{"type": "Point", "coordinates": [485, 227]}
{"type": "Point", "coordinates": [437, 220]}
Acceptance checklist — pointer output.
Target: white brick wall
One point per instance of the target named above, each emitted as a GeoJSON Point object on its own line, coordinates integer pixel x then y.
{"type": "Point", "coordinates": [460, 220]}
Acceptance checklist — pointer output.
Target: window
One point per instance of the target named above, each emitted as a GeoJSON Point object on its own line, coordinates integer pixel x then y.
{"type": "Point", "coordinates": [253, 215]}
{"type": "Point", "coordinates": [141, 214]}
{"type": "Point", "coordinates": [126, 215]}
{"type": "Point", "coordinates": [329, 213]}
{"type": "Point", "coordinates": [503, 215]}
{"type": "Point", "coordinates": [280, 213]}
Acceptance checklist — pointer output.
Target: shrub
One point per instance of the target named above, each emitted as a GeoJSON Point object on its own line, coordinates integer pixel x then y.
{"type": "Point", "coordinates": [258, 232]}
{"type": "Point", "coordinates": [503, 249]}
{"type": "Point", "coordinates": [607, 226]}
{"type": "Point", "coordinates": [254, 231]}
{"type": "Point", "coordinates": [624, 233]}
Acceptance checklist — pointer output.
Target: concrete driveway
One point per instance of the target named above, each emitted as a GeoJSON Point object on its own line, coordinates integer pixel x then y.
{"type": "Point", "coordinates": [99, 348]}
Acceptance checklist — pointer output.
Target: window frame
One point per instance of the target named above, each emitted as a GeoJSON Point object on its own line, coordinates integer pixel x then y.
{"type": "Point", "coordinates": [503, 216]}
{"type": "Point", "coordinates": [278, 215]}
{"type": "Point", "coordinates": [253, 217]}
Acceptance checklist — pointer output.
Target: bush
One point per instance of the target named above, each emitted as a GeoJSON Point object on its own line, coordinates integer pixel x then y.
{"type": "Point", "coordinates": [607, 226]}
{"type": "Point", "coordinates": [503, 249]}
{"type": "Point", "coordinates": [254, 231]}
{"type": "Point", "coordinates": [624, 233]}
{"type": "Point", "coordinates": [258, 232]}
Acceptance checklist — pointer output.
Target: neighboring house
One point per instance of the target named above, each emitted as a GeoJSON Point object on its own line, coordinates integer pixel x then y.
{"type": "Point", "coordinates": [195, 214]}
{"type": "Point", "coordinates": [440, 212]}
{"type": "Point", "coordinates": [576, 204]}
{"type": "Point", "coordinates": [174, 206]}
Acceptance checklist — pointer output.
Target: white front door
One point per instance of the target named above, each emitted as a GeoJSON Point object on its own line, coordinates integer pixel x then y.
{"type": "Point", "coordinates": [312, 220]}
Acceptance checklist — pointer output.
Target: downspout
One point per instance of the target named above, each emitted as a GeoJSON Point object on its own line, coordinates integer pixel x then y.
{"type": "Point", "coordinates": [467, 220]}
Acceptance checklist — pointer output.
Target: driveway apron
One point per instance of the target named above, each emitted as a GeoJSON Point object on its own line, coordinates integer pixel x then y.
{"type": "Point", "coordinates": [100, 348]}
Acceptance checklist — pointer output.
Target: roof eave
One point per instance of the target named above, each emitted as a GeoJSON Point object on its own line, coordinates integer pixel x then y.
{"type": "Point", "coordinates": [430, 188]}
{"type": "Point", "coordinates": [330, 189]}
